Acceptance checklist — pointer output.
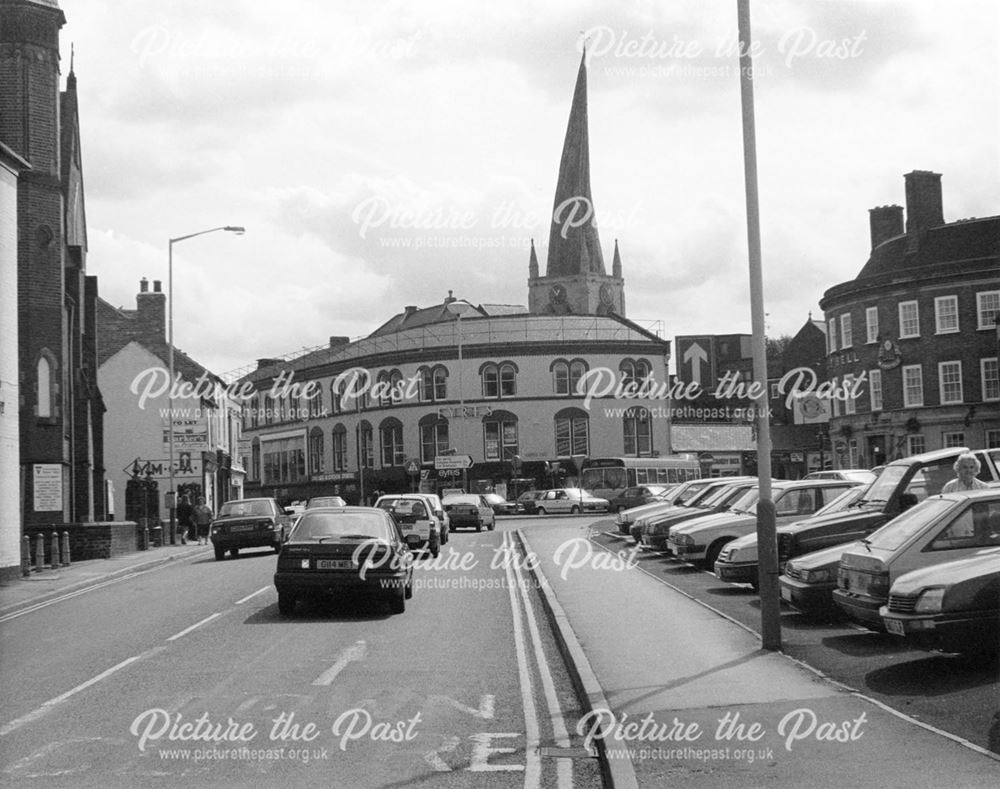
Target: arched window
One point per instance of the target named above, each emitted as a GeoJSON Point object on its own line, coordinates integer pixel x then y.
{"type": "Point", "coordinates": [440, 383]}
{"type": "Point", "coordinates": [499, 380]}
{"type": "Point", "coordinates": [637, 432]}
{"type": "Point", "coordinates": [425, 391]}
{"type": "Point", "coordinates": [500, 436]}
{"type": "Point", "coordinates": [317, 455]}
{"type": "Point", "coordinates": [339, 437]}
{"type": "Point", "coordinates": [382, 386]}
{"type": "Point", "coordinates": [46, 389]}
{"type": "Point", "coordinates": [433, 437]}
{"type": "Point", "coordinates": [396, 386]}
{"type": "Point", "coordinates": [572, 432]}
{"type": "Point", "coordinates": [337, 396]}
{"type": "Point", "coordinates": [391, 442]}
{"type": "Point", "coordinates": [366, 444]}
{"type": "Point", "coordinates": [566, 375]}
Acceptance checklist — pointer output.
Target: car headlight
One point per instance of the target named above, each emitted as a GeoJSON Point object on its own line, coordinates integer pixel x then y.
{"type": "Point", "coordinates": [930, 601]}
{"type": "Point", "coordinates": [816, 576]}
{"type": "Point", "coordinates": [684, 539]}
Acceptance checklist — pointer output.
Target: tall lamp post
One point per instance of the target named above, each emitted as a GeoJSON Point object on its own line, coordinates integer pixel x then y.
{"type": "Point", "coordinates": [171, 493]}
{"type": "Point", "coordinates": [458, 309]}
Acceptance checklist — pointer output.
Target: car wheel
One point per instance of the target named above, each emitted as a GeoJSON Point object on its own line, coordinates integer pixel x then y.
{"type": "Point", "coordinates": [621, 508]}
{"type": "Point", "coordinates": [408, 590]}
{"type": "Point", "coordinates": [574, 510]}
{"type": "Point", "coordinates": [219, 553]}
{"type": "Point", "coordinates": [435, 549]}
{"type": "Point", "coordinates": [234, 552]}
{"type": "Point", "coordinates": [541, 510]}
{"type": "Point", "coordinates": [286, 603]}
{"type": "Point", "coordinates": [277, 546]}
{"type": "Point", "coordinates": [493, 525]}
{"type": "Point", "coordinates": [397, 603]}
{"type": "Point", "coordinates": [713, 552]}
{"type": "Point", "coordinates": [479, 526]}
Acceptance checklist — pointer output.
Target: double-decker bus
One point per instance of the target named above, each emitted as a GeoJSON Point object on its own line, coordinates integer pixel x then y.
{"type": "Point", "coordinates": [608, 477]}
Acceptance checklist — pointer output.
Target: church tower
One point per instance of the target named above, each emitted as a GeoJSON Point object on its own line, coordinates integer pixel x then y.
{"type": "Point", "coordinates": [575, 280]}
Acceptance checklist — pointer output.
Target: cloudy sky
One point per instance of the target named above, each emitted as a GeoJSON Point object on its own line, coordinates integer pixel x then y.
{"type": "Point", "coordinates": [381, 154]}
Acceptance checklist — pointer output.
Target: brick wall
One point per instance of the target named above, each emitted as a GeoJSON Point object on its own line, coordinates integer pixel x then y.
{"type": "Point", "coordinates": [89, 540]}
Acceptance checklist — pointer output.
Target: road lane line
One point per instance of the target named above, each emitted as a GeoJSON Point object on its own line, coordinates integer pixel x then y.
{"type": "Point", "coordinates": [532, 756]}
{"type": "Point", "coordinates": [564, 767]}
{"type": "Point", "coordinates": [33, 716]}
{"type": "Point", "coordinates": [187, 630]}
{"type": "Point", "coordinates": [254, 594]}
{"type": "Point", "coordinates": [357, 652]}
{"type": "Point", "coordinates": [70, 595]}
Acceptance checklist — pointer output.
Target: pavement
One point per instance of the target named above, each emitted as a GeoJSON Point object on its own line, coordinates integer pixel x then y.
{"type": "Point", "coordinates": [675, 693]}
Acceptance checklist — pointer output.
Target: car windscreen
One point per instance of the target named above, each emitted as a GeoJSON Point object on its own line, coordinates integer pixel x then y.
{"type": "Point", "coordinates": [747, 502]}
{"type": "Point", "coordinates": [244, 508]}
{"type": "Point", "coordinates": [903, 527]}
{"type": "Point", "coordinates": [469, 500]}
{"type": "Point", "coordinates": [326, 501]}
{"type": "Point", "coordinates": [690, 491]}
{"type": "Point", "coordinates": [343, 526]}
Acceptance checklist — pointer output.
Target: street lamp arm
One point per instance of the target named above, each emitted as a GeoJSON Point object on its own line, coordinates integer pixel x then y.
{"type": "Point", "coordinates": [228, 228]}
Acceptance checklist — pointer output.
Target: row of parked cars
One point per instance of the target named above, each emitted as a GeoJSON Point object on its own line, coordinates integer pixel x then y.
{"type": "Point", "coordinates": [892, 553]}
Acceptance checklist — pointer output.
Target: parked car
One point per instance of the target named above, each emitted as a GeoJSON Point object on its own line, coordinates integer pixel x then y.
{"type": "Point", "coordinates": [637, 495]}
{"type": "Point", "coordinates": [415, 517]}
{"type": "Point", "coordinates": [571, 500]}
{"type": "Point", "coordinates": [325, 501]}
{"type": "Point", "coordinates": [940, 529]}
{"type": "Point", "coordinates": [469, 510]}
{"type": "Point", "coordinates": [676, 496]}
{"type": "Point", "coordinates": [249, 523]}
{"type": "Point", "coordinates": [861, 475]}
{"type": "Point", "coordinates": [499, 504]}
{"type": "Point", "coordinates": [333, 551]}
{"type": "Point", "coordinates": [738, 561]}
{"type": "Point", "coordinates": [808, 581]}
{"type": "Point", "coordinates": [952, 607]}
{"type": "Point", "coordinates": [900, 485]}
{"type": "Point", "coordinates": [295, 509]}
{"type": "Point", "coordinates": [702, 539]}
{"type": "Point", "coordinates": [527, 502]}
{"type": "Point", "coordinates": [652, 531]}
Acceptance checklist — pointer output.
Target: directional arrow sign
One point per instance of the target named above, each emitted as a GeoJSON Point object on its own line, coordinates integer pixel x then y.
{"type": "Point", "coordinates": [442, 462]}
{"type": "Point", "coordinates": [696, 355]}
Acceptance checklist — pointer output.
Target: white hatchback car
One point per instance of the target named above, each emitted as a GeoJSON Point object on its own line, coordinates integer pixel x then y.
{"type": "Point", "coordinates": [571, 500]}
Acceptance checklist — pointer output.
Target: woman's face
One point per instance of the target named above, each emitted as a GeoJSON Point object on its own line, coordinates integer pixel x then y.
{"type": "Point", "coordinates": [966, 470]}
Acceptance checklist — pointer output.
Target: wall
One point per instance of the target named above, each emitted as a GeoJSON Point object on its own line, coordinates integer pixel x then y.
{"type": "Point", "coordinates": [10, 496]}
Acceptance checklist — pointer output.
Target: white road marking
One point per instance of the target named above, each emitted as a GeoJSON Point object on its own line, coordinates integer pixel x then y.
{"type": "Point", "coordinates": [357, 652]}
{"type": "Point", "coordinates": [187, 630]}
{"type": "Point", "coordinates": [486, 705]}
{"type": "Point", "coordinates": [433, 758]}
{"type": "Point", "coordinates": [70, 595]}
{"type": "Point", "coordinates": [564, 767]}
{"type": "Point", "coordinates": [52, 703]}
{"type": "Point", "coordinates": [254, 594]}
{"type": "Point", "coordinates": [533, 765]}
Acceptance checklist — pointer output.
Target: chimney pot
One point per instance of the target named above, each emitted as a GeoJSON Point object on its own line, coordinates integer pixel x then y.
{"type": "Point", "coordinates": [409, 309]}
{"type": "Point", "coordinates": [156, 286]}
{"type": "Point", "coordinates": [338, 341]}
{"type": "Point", "coordinates": [143, 285]}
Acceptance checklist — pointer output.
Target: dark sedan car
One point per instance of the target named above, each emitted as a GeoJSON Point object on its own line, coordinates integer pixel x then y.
{"type": "Point", "coordinates": [637, 496]}
{"type": "Point", "coordinates": [340, 551]}
{"type": "Point", "coordinates": [248, 523]}
{"type": "Point", "coordinates": [951, 607]}
{"type": "Point", "coordinates": [499, 504]}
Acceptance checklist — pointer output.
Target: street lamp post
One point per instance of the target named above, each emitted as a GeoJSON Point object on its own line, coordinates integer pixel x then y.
{"type": "Point", "coordinates": [172, 496]}
{"type": "Point", "coordinates": [459, 308]}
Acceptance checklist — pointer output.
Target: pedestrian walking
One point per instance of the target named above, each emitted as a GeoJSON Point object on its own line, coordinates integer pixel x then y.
{"type": "Point", "coordinates": [202, 517]}
{"type": "Point", "coordinates": [966, 467]}
{"type": "Point", "coordinates": [183, 515]}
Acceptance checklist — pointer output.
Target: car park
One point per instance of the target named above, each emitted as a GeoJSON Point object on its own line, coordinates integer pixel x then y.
{"type": "Point", "coordinates": [900, 485]}
{"type": "Point", "coordinates": [637, 495]}
{"type": "Point", "coordinates": [679, 495]}
{"type": "Point", "coordinates": [325, 501]}
{"type": "Point", "coordinates": [469, 511]}
{"type": "Point", "coordinates": [702, 539]}
{"type": "Point", "coordinates": [345, 550]}
{"type": "Point", "coordinates": [654, 530]}
{"type": "Point", "coordinates": [499, 504]}
{"type": "Point", "coordinates": [737, 563]}
{"type": "Point", "coordinates": [249, 523]}
{"type": "Point", "coordinates": [951, 607]}
{"type": "Point", "coordinates": [942, 528]}
{"type": "Point", "coordinates": [569, 500]}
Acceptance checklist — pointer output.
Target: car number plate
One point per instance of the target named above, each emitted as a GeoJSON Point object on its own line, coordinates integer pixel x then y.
{"type": "Point", "coordinates": [786, 594]}
{"type": "Point", "coordinates": [894, 626]}
{"type": "Point", "coordinates": [242, 527]}
{"type": "Point", "coordinates": [335, 564]}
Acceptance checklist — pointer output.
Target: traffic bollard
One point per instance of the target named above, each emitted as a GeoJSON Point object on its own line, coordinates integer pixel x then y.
{"type": "Point", "coordinates": [64, 550]}
{"type": "Point", "coordinates": [54, 548]}
{"type": "Point", "coordinates": [25, 555]}
{"type": "Point", "coordinates": [39, 552]}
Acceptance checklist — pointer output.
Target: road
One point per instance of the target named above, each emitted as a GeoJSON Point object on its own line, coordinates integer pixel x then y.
{"type": "Point", "coordinates": [952, 693]}
{"type": "Point", "coordinates": [188, 675]}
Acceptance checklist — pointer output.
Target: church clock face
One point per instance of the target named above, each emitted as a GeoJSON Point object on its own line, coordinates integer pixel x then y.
{"type": "Point", "coordinates": [557, 294]}
{"type": "Point", "coordinates": [607, 296]}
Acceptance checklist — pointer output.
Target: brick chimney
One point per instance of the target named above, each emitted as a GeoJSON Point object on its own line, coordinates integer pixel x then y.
{"type": "Point", "coordinates": [151, 311]}
{"type": "Point", "coordinates": [923, 200]}
{"type": "Point", "coordinates": [886, 222]}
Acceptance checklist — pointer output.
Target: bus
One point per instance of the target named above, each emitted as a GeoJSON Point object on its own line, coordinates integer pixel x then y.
{"type": "Point", "coordinates": [608, 477]}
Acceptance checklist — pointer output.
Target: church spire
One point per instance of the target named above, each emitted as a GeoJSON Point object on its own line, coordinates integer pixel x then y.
{"type": "Point", "coordinates": [574, 245]}
{"type": "Point", "coordinates": [533, 262]}
{"type": "Point", "coordinates": [616, 263]}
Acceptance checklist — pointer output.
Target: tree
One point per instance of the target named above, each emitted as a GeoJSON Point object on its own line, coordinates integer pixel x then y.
{"type": "Point", "coordinates": [775, 346]}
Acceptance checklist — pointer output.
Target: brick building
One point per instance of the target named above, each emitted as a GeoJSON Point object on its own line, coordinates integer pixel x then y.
{"type": "Point", "coordinates": [917, 328]}
{"type": "Point", "coordinates": [61, 409]}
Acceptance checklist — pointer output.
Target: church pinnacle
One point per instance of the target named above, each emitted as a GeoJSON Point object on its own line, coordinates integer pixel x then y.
{"type": "Point", "coordinates": [574, 245]}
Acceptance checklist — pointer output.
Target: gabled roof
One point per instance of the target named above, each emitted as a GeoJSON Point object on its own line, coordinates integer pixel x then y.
{"type": "Point", "coordinates": [414, 317]}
